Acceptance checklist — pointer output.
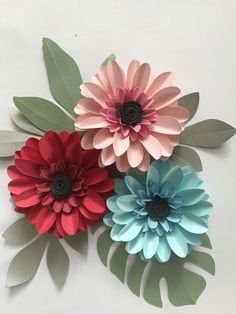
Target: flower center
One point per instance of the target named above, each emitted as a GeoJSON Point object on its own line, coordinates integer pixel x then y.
{"type": "Point", "coordinates": [130, 113]}
{"type": "Point", "coordinates": [61, 186]}
{"type": "Point", "coordinates": [158, 208]}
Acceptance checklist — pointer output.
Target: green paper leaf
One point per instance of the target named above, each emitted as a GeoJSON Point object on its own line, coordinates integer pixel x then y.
{"type": "Point", "coordinates": [20, 232]}
{"type": "Point", "coordinates": [63, 75]}
{"type": "Point", "coordinates": [79, 242]}
{"type": "Point", "coordinates": [185, 156]}
{"type": "Point", "coordinates": [206, 241]}
{"type": "Point", "coordinates": [190, 102]}
{"type": "Point", "coordinates": [58, 262]}
{"type": "Point", "coordinates": [22, 122]}
{"type": "Point", "coordinates": [184, 286]}
{"type": "Point", "coordinates": [207, 133]}
{"type": "Point", "coordinates": [10, 141]}
{"type": "Point", "coordinates": [111, 57]}
{"type": "Point", "coordinates": [25, 264]}
{"type": "Point", "coordinates": [44, 114]}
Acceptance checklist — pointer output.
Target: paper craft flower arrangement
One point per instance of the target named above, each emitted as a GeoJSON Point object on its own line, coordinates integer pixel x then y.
{"type": "Point", "coordinates": [111, 158]}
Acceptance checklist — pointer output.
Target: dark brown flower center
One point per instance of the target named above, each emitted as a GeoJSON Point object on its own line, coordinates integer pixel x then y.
{"type": "Point", "coordinates": [61, 186]}
{"type": "Point", "coordinates": [158, 208]}
{"type": "Point", "coordinates": [130, 113]}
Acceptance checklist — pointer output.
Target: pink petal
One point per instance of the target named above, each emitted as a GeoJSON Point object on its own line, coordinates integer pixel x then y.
{"type": "Point", "coordinates": [174, 139]}
{"type": "Point", "coordinates": [166, 145]}
{"type": "Point", "coordinates": [87, 139]}
{"type": "Point", "coordinates": [87, 105]}
{"type": "Point", "coordinates": [70, 222]}
{"type": "Point", "coordinates": [94, 202]}
{"type": "Point", "coordinates": [103, 138]}
{"type": "Point", "coordinates": [162, 81]}
{"type": "Point", "coordinates": [115, 75]}
{"type": "Point", "coordinates": [108, 156]}
{"type": "Point", "coordinates": [120, 144]}
{"type": "Point", "coordinates": [27, 198]}
{"type": "Point", "coordinates": [179, 113]}
{"type": "Point", "coordinates": [152, 145]}
{"type": "Point", "coordinates": [166, 125]}
{"type": "Point", "coordinates": [102, 74]}
{"type": "Point", "coordinates": [94, 91]}
{"type": "Point", "coordinates": [135, 154]}
{"type": "Point", "coordinates": [122, 163]}
{"type": "Point", "coordinates": [145, 163]}
{"type": "Point", "coordinates": [165, 97]}
{"type": "Point", "coordinates": [133, 67]}
{"type": "Point", "coordinates": [142, 76]}
{"type": "Point", "coordinates": [92, 122]}
{"type": "Point", "coordinates": [45, 220]}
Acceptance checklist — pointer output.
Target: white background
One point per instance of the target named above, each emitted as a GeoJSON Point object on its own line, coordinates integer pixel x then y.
{"type": "Point", "coordinates": [194, 39]}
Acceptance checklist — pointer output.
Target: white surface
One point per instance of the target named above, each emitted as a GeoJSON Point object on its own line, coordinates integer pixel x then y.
{"type": "Point", "coordinates": [194, 39]}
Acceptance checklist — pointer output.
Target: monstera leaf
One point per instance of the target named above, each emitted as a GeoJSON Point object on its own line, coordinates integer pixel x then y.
{"type": "Point", "coordinates": [184, 286]}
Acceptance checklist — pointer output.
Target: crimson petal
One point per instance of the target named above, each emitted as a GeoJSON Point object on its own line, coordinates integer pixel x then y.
{"type": "Point", "coordinates": [45, 220]}
{"type": "Point", "coordinates": [27, 198]}
{"type": "Point", "coordinates": [95, 175]}
{"type": "Point", "coordinates": [27, 167]}
{"type": "Point", "coordinates": [20, 185]}
{"type": "Point", "coordinates": [94, 202]}
{"type": "Point", "coordinates": [104, 186]}
{"type": "Point", "coordinates": [70, 222]}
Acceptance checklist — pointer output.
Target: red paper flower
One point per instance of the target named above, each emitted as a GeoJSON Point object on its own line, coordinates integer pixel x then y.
{"type": "Point", "coordinates": [59, 186]}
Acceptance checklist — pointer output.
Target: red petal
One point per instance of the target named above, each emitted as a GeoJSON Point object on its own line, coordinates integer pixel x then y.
{"type": "Point", "coordinates": [20, 185]}
{"type": "Point", "coordinates": [70, 222]}
{"type": "Point", "coordinates": [17, 155]}
{"type": "Point", "coordinates": [90, 158]}
{"type": "Point", "coordinates": [43, 187]}
{"type": "Point", "coordinates": [50, 151]}
{"type": "Point", "coordinates": [73, 200]}
{"type": "Point", "coordinates": [87, 214]}
{"type": "Point", "coordinates": [72, 138]}
{"type": "Point", "coordinates": [48, 199]}
{"type": "Point", "coordinates": [82, 224]}
{"type": "Point", "coordinates": [67, 207]}
{"type": "Point", "coordinates": [64, 136]}
{"type": "Point", "coordinates": [57, 205]}
{"type": "Point", "coordinates": [27, 198]}
{"type": "Point", "coordinates": [57, 141]}
{"type": "Point", "coordinates": [45, 220]}
{"type": "Point", "coordinates": [32, 142]}
{"type": "Point", "coordinates": [33, 213]}
{"type": "Point", "coordinates": [27, 167]}
{"type": "Point", "coordinates": [94, 202]}
{"type": "Point", "coordinates": [60, 230]}
{"type": "Point", "coordinates": [95, 175]}
{"type": "Point", "coordinates": [104, 186]}
{"type": "Point", "coordinates": [13, 173]}
{"type": "Point", "coordinates": [29, 153]}
{"type": "Point", "coordinates": [74, 153]}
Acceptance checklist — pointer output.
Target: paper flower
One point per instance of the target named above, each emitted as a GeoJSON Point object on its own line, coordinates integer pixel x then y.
{"type": "Point", "coordinates": [165, 210]}
{"type": "Point", "coordinates": [57, 185]}
{"type": "Point", "coordinates": [130, 117]}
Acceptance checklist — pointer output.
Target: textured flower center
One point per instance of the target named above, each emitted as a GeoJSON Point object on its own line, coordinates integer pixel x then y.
{"type": "Point", "coordinates": [130, 113]}
{"type": "Point", "coordinates": [158, 208]}
{"type": "Point", "coordinates": [61, 186]}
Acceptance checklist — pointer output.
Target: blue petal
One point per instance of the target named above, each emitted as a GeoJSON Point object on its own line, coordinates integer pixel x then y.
{"type": "Point", "coordinates": [191, 238]}
{"type": "Point", "coordinates": [120, 187]}
{"type": "Point", "coordinates": [177, 242]}
{"type": "Point", "coordinates": [150, 244]}
{"type": "Point", "coordinates": [111, 204]}
{"type": "Point", "coordinates": [136, 245]}
{"type": "Point", "coordinates": [193, 224]}
{"type": "Point", "coordinates": [131, 230]}
{"type": "Point", "coordinates": [164, 251]}
{"type": "Point", "coordinates": [173, 218]}
{"type": "Point", "coordinates": [107, 219]}
{"type": "Point", "coordinates": [165, 225]}
{"type": "Point", "coordinates": [205, 219]}
{"type": "Point", "coordinates": [173, 176]}
{"type": "Point", "coordinates": [123, 218]}
{"type": "Point", "coordinates": [199, 209]}
{"type": "Point", "coordinates": [190, 181]}
{"type": "Point", "coordinates": [187, 170]}
{"type": "Point", "coordinates": [115, 230]}
{"type": "Point", "coordinates": [167, 190]}
{"type": "Point", "coordinates": [133, 185]}
{"type": "Point", "coordinates": [152, 177]}
{"type": "Point", "coordinates": [163, 167]}
{"type": "Point", "coordinates": [152, 224]}
{"type": "Point", "coordinates": [191, 196]}
{"type": "Point", "coordinates": [127, 203]}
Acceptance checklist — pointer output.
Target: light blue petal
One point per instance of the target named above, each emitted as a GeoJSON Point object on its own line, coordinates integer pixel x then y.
{"type": "Point", "coordinates": [133, 185]}
{"type": "Point", "coordinates": [173, 218]}
{"type": "Point", "coordinates": [191, 238]}
{"type": "Point", "coordinates": [205, 219]}
{"type": "Point", "coordinates": [150, 244]}
{"type": "Point", "coordinates": [190, 181]}
{"type": "Point", "coordinates": [136, 245]}
{"type": "Point", "coordinates": [173, 176]}
{"type": "Point", "coordinates": [187, 170]}
{"type": "Point", "coordinates": [159, 230]}
{"type": "Point", "coordinates": [177, 242]}
{"type": "Point", "coordinates": [167, 190]}
{"type": "Point", "coordinates": [107, 219]}
{"type": "Point", "coordinates": [123, 218]}
{"type": "Point", "coordinates": [131, 230]}
{"type": "Point", "coordinates": [115, 230]}
{"type": "Point", "coordinates": [120, 187]}
{"type": "Point", "coordinates": [163, 167]}
{"type": "Point", "coordinates": [191, 196]}
{"type": "Point", "coordinates": [164, 251]}
{"type": "Point", "coordinates": [165, 225]}
{"type": "Point", "coordinates": [152, 224]}
{"type": "Point", "coordinates": [199, 209]}
{"type": "Point", "coordinates": [127, 203]}
{"type": "Point", "coordinates": [152, 177]}
{"type": "Point", "coordinates": [111, 203]}
{"type": "Point", "coordinates": [193, 224]}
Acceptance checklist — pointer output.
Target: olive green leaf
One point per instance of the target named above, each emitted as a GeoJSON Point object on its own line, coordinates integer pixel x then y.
{"type": "Point", "coordinates": [10, 141]}
{"type": "Point", "coordinates": [185, 156]}
{"type": "Point", "coordinates": [184, 286]}
{"type": "Point", "coordinates": [44, 114]}
{"type": "Point", "coordinates": [63, 75]}
{"type": "Point", "coordinates": [207, 133]}
{"type": "Point", "coordinates": [25, 264]}
{"type": "Point", "coordinates": [20, 232]}
{"type": "Point", "coordinates": [79, 242]}
{"type": "Point", "coordinates": [57, 261]}
{"type": "Point", "coordinates": [190, 102]}
{"type": "Point", "coordinates": [110, 57]}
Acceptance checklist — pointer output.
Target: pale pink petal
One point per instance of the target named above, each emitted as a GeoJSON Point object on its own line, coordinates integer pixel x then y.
{"type": "Point", "coordinates": [179, 113]}
{"type": "Point", "coordinates": [102, 74]}
{"type": "Point", "coordinates": [141, 76]}
{"type": "Point", "coordinates": [103, 138]}
{"type": "Point", "coordinates": [115, 75]}
{"type": "Point", "coordinates": [145, 162]}
{"type": "Point", "coordinates": [96, 80]}
{"type": "Point", "coordinates": [87, 105]}
{"type": "Point", "coordinates": [135, 154]}
{"type": "Point", "coordinates": [92, 122]}
{"type": "Point", "coordinates": [122, 163]}
{"type": "Point", "coordinates": [152, 145]}
{"type": "Point", "coordinates": [133, 67]}
{"type": "Point", "coordinates": [120, 144]}
{"type": "Point", "coordinates": [166, 125]}
{"type": "Point", "coordinates": [162, 81]}
{"type": "Point", "coordinates": [108, 156]}
{"type": "Point", "coordinates": [94, 91]}
{"type": "Point", "coordinates": [174, 139]}
{"type": "Point", "coordinates": [165, 97]}
{"type": "Point", "coordinates": [87, 139]}
{"type": "Point", "coordinates": [166, 145]}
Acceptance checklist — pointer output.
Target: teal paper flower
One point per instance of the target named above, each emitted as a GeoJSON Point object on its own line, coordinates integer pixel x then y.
{"type": "Point", "coordinates": [161, 211]}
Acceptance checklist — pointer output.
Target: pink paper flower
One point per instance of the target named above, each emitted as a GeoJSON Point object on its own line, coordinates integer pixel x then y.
{"type": "Point", "coordinates": [130, 117]}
